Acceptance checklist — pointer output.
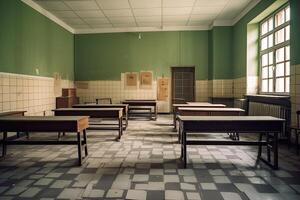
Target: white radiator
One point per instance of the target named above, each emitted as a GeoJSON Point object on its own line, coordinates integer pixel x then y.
{"type": "Point", "coordinates": [263, 109]}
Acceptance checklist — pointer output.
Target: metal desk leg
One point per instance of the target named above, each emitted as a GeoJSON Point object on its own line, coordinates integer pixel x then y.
{"type": "Point", "coordinates": [4, 146]}
{"type": "Point", "coordinates": [79, 148]}
{"type": "Point", "coordinates": [174, 118]}
{"type": "Point", "coordinates": [275, 150]}
{"type": "Point", "coordinates": [120, 128]}
{"type": "Point", "coordinates": [85, 143]}
{"type": "Point", "coordinates": [259, 146]}
{"type": "Point", "coordinates": [184, 148]}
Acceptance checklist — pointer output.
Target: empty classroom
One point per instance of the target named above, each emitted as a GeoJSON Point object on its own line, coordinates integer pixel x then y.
{"type": "Point", "coordinates": [150, 99]}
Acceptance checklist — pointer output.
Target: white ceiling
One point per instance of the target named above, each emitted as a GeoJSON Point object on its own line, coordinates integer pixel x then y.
{"type": "Point", "coordinates": [85, 16]}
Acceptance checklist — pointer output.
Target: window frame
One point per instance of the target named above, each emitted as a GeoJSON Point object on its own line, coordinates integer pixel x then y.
{"type": "Point", "coordinates": [273, 49]}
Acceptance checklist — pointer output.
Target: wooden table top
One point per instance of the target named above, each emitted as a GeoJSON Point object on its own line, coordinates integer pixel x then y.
{"type": "Point", "coordinates": [89, 109]}
{"type": "Point", "coordinates": [140, 100]}
{"type": "Point", "coordinates": [200, 105]}
{"type": "Point", "coordinates": [44, 123]}
{"type": "Point", "coordinates": [229, 118]}
{"type": "Point", "coordinates": [93, 105]}
{"type": "Point", "coordinates": [145, 102]}
{"type": "Point", "coordinates": [12, 113]}
{"type": "Point", "coordinates": [205, 109]}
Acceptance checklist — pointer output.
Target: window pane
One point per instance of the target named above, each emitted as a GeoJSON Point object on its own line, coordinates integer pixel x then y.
{"type": "Point", "coordinates": [264, 72]}
{"type": "Point", "coordinates": [287, 52]}
{"type": "Point", "coordinates": [271, 58]}
{"type": "Point", "coordinates": [264, 86]}
{"type": "Point", "coordinates": [280, 70]}
{"type": "Point", "coordinates": [270, 41]}
{"type": "Point", "coordinates": [271, 85]}
{"type": "Point", "coordinates": [287, 68]}
{"type": "Point", "coordinates": [287, 14]}
{"type": "Point", "coordinates": [264, 43]}
{"type": "Point", "coordinates": [270, 23]}
{"type": "Point", "coordinates": [279, 18]}
{"type": "Point", "coordinates": [279, 36]}
{"type": "Point", "coordinates": [280, 85]}
{"type": "Point", "coordinates": [264, 60]}
{"type": "Point", "coordinates": [264, 28]}
{"type": "Point", "coordinates": [287, 33]}
{"type": "Point", "coordinates": [270, 71]}
{"type": "Point", "coordinates": [287, 84]}
{"type": "Point", "coordinates": [280, 55]}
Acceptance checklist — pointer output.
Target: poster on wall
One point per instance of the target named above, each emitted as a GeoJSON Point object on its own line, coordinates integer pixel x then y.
{"type": "Point", "coordinates": [146, 78]}
{"type": "Point", "coordinates": [57, 84]}
{"type": "Point", "coordinates": [162, 89]}
{"type": "Point", "coordinates": [131, 79]}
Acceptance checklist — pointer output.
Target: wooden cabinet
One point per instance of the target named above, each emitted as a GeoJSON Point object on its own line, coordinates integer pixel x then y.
{"type": "Point", "coordinates": [68, 98]}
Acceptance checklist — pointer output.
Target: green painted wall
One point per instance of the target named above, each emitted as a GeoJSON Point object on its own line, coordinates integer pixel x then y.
{"type": "Point", "coordinates": [240, 38]}
{"type": "Point", "coordinates": [221, 53]}
{"type": "Point", "coordinates": [295, 32]}
{"type": "Point", "coordinates": [29, 40]}
{"type": "Point", "coordinates": [106, 56]}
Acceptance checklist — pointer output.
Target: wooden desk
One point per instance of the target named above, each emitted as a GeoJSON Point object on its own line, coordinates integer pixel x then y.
{"type": "Point", "coordinates": [14, 114]}
{"type": "Point", "coordinates": [184, 111]}
{"type": "Point", "coordinates": [104, 113]}
{"type": "Point", "coordinates": [241, 124]}
{"type": "Point", "coordinates": [193, 105]}
{"type": "Point", "coordinates": [146, 103]}
{"type": "Point", "coordinates": [123, 106]}
{"type": "Point", "coordinates": [77, 124]}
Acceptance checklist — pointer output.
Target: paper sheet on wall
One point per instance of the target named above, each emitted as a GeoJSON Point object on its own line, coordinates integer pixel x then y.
{"type": "Point", "coordinates": [146, 78]}
{"type": "Point", "coordinates": [162, 89]}
{"type": "Point", "coordinates": [131, 80]}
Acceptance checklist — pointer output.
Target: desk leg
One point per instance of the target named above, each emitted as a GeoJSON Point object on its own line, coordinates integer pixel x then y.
{"type": "Point", "coordinates": [174, 119]}
{"type": "Point", "coordinates": [79, 148]}
{"type": "Point", "coordinates": [155, 112]}
{"type": "Point", "coordinates": [85, 143]}
{"type": "Point", "coordinates": [275, 150]}
{"type": "Point", "coordinates": [179, 134]}
{"type": "Point", "coordinates": [268, 147]}
{"type": "Point", "coordinates": [184, 148]}
{"type": "Point", "coordinates": [4, 146]}
{"type": "Point", "coordinates": [259, 146]}
{"type": "Point", "coordinates": [120, 128]}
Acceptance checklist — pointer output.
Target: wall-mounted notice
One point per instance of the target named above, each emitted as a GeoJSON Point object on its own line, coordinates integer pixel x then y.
{"type": "Point", "coordinates": [57, 84]}
{"type": "Point", "coordinates": [131, 79]}
{"type": "Point", "coordinates": [146, 78]}
{"type": "Point", "coordinates": [162, 89]}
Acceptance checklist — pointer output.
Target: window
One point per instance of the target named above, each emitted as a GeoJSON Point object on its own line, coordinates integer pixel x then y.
{"type": "Point", "coordinates": [275, 52]}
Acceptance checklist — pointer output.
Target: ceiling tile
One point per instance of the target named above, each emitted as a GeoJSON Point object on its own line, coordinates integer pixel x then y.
{"type": "Point", "coordinates": [64, 14]}
{"type": "Point", "coordinates": [81, 26]}
{"type": "Point", "coordinates": [212, 2]}
{"type": "Point", "coordinates": [113, 4]}
{"type": "Point", "coordinates": [53, 5]}
{"type": "Point", "coordinates": [202, 17]}
{"type": "Point", "coordinates": [148, 19]}
{"type": "Point", "coordinates": [90, 13]}
{"type": "Point", "coordinates": [147, 12]}
{"type": "Point", "coordinates": [145, 3]}
{"type": "Point", "coordinates": [176, 18]}
{"type": "Point", "coordinates": [207, 10]}
{"type": "Point", "coordinates": [121, 20]}
{"type": "Point", "coordinates": [101, 25]}
{"type": "Point", "coordinates": [118, 13]}
{"type": "Point", "coordinates": [82, 5]}
{"type": "Point", "coordinates": [177, 11]}
{"type": "Point", "coordinates": [93, 21]}
{"type": "Point", "coordinates": [124, 25]}
{"type": "Point", "coordinates": [174, 23]}
{"type": "Point", "coordinates": [74, 21]}
{"type": "Point", "coordinates": [178, 3]}
{"type": "Point", "coordinates": [149, 24]}
{"type": "Point", "coordinates": [200, 23]}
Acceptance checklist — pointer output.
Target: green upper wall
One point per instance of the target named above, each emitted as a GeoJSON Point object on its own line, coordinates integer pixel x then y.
{"type": "Point", "coordinates": [221, 50]}
{"type": "Point", "coordinates": [105, 56]}
{"type": "Point", "coordinates": [29, 40]}
{"type": "Point", "coordinates": [295, 32]}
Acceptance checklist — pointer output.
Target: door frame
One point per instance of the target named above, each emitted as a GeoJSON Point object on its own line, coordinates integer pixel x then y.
{"type": "Point", "coordinates": [173, 68]}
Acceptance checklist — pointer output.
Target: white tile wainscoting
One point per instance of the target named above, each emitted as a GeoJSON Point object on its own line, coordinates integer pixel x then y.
{"type": "Point", "coordinates": [34, 94]}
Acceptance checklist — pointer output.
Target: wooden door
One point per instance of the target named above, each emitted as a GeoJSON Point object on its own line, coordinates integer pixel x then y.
{"type": "Point", "coordinates": [183, 84]}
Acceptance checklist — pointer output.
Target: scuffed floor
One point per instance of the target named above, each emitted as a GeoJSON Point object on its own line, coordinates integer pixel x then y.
{"type": "Point", "coordinates": [145, 165]}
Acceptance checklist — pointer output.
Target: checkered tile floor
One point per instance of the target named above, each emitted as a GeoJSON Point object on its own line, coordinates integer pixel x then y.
{"type": "Point", "coordinates": [145, 165]}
